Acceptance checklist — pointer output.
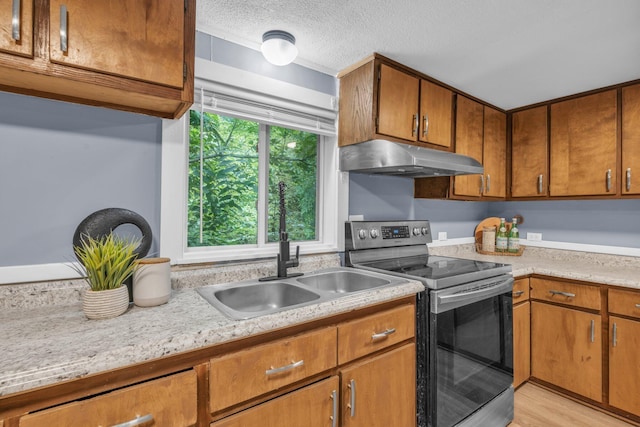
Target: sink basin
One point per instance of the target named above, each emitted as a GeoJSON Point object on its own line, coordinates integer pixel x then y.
{"type": "Point", "coordinates": [243, 301]}
{"type": "Point", "coordinates": [252, 298]}
{"type": "Point", "coordinates": [340, 281]}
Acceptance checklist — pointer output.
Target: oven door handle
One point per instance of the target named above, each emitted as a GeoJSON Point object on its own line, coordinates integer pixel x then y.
{"type": "Point", "coordinates": [451, 301]}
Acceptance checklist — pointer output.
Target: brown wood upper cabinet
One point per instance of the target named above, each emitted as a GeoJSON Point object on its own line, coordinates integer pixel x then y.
{"type": "Point", "coordinates": [379, 99]}
{"type": "Point", "coordinates": [481, 134]}
{"type": "Point", "coordinates": [630, 172]}
{"type": "Point", "coordinates": [16, 27]}
{"type": "Point", "coordinates": [529, 153]}
{"type": "Point", "coordinates": [123, 54]}
{"type": "Point", "coordinates": [583, 146]}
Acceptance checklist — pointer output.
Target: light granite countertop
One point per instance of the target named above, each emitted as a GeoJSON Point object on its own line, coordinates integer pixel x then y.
{"type": "Point", "coordinates": [45, 338]}
{"type": "Point", "coordinates": [46, 344]}
{"type": "Point", "coordinates": [605, 269]}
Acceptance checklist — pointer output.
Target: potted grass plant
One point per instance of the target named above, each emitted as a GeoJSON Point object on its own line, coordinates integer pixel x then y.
{"type": "Point", "coordinates": [105, 263]}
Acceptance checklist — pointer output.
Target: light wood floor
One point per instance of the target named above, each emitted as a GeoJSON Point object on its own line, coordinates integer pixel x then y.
{"type": "Point", "coordinates": [538, 407]}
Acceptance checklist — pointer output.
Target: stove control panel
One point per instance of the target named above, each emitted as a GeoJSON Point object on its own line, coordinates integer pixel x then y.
{"type": "Point", "coordinates": [385, 234]}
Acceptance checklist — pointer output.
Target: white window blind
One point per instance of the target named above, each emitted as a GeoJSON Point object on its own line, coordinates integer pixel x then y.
{"type": "Point", "coordinates": [246, 104]}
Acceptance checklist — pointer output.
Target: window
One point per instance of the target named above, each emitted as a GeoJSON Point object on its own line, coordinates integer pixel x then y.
{"type": "Point", "coordinates": [222, 161]}
{"type": "Point", "coordinates": [224, 168]}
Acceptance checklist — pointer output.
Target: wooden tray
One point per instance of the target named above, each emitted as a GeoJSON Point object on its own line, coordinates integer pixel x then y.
{"type": "Point", "coordinates": [480, 251]}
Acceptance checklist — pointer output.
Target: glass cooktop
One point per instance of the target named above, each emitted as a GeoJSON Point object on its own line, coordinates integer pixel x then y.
{"type": "Point", "coordinates": [438, 272]}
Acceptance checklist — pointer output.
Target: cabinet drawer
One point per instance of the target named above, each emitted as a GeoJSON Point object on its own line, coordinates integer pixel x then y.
{"type": "Point", "coordinates": [171, 401]}
{"type": "Point", "coordinates": [520, 290]}
{"type": "Point", "coordinates": [626, 303]}
{"type": "Point", "coordinates": [240, 376]}
{"type": "Point", "coordinates": [573, 294]}
{"type": "Point", "coordinates": [311, 406]}
{"type": "Point", "coordinates": [363, 336]}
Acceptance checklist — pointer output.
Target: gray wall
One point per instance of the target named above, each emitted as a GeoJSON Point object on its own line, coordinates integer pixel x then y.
{"type": "Point", "coordinates": [595, 222]}
{"type": "Point", "coordinates": [59, 162]}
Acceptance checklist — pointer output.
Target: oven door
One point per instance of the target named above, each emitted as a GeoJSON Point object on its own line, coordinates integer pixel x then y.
{"type": "Point", "coordinates": [470, 349]}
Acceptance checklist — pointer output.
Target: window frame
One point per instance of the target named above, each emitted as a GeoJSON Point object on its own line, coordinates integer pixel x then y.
{"type": "Point", "coordinates": [332, 184]}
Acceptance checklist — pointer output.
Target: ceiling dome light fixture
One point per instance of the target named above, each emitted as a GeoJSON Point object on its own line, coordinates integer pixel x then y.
{"type": "Point", "coordinates": [279, 47]}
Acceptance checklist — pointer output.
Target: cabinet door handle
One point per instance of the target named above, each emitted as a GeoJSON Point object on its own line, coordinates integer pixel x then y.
{"type": "Point", "coordinates": [425, 120]}
{"type": "Point", "coordinates": [414, 131]}
{"type": "Point", "coordinates": [15, 20]}
{"type": "Point", "coordinates": [284, 368]}
{"type": "Point", "coordinates": [334, 415]}
{"type": "Point", "coordinates": [481, 184]}
{"type": "Point", "coordinates": [628, 179]}
{"type": "Point", "coordinates": [564, 294]}
{"type": "Point", "coordinates": [63, 29]}
{"type": "Point", "coordinates": [540, 184]}
{"type": "Point", "coordinates": [488, 187]}
{"type": "Point", "coordinates": [136, 421]}
{"type": "Point", "coordinates": [608, 180]}
{"type": "Point", "coordinates": [614, 339]}
{"type": "Point", "coordinates": [593, 330]}
{"type": "Point", "coordinates": [518, 293]}
{"type": "Point", "coordinates": [384, 334]}
{"type": "Point", "coordinates": [352, 398]}
{"type": "Point", "coordinates": [637, 305]}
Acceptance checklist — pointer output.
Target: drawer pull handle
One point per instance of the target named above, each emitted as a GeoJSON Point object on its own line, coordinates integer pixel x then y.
{"type": "Point", "coordinates": [137, 421]}
{"type": "Point", "coordinates": [518, 293]}
{"type": "Point", "coordinates": [593, 331]}
{"type": "Point", "coordinates": [384, 334]}
{"type": "Point", "coordinates": [63, 29]}
{"type": "Point", "coordinates": [637, 305]}
{"type": "Point", "coordinates": [564, 294]}
{"type": "Point", "coordinates": [614, 340]}
{"type": "Point", "coordinates": [284, 368]}
{"type": "Point", "coordinates": [15, 21]}
{"type": "Point", "coordinates": [334, 416]}
{"type": "Point", "coordinates": [352, 398]}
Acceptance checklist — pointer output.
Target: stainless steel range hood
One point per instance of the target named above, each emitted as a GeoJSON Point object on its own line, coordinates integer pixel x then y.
{"type": "Point", "coordinates": [391, 158]}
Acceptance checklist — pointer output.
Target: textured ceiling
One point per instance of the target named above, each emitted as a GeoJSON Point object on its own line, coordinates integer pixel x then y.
{"type": "Point", "coordinates": [509, 53]}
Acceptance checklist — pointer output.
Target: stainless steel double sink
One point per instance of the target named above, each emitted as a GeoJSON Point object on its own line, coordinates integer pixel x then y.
{"type": "Point", "coordinates": [252, 298]}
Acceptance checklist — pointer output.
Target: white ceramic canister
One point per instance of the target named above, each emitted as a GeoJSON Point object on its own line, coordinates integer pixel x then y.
{"type": "Point", "coordinates": [152, 282]}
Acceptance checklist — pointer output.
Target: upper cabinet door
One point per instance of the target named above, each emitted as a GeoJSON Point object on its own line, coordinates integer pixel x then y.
{"type": "Point", "coordinates": [583, 146]}
{"type": "Point", "coordinates": [631, 140]}
{"type": "Point", "coordinates": [436, 114]}
{"type": "Point", "coordinates": [138, 39]}
{"type": "Point", "coordinates": [16, 27]}
{"type": "Point", "coordinates": [529, 153]}
{"type": "Point", "coordinates": [469, 136]}
{"type": "Point", "coordinates": [495, 153]}
{"type": "Point", "coordinates": [398, 104]}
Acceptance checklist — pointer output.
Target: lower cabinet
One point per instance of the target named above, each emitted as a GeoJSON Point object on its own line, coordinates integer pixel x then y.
{"type": "Point", "coordinates": [168, 401]}
{"type": "Point", "coordinates": [624, 373]}
{"type": "Point", "coordinates": [381, 391]}
{"type": "Point", "coordinates": [313, 406]}
{"type": "Point", "coordinates": [566, 349]}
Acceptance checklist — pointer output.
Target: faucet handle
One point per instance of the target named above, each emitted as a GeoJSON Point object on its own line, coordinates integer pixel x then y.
{"type": "Point", "coordinates": [296, 260]}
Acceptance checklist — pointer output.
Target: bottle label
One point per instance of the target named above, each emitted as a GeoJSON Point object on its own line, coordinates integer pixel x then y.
{"type": "Point", "coordinates": [501, 243]}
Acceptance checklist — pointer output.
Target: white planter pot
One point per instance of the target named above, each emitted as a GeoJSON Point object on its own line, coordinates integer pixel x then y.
{"type": "Point", "coordinates": [105, 304]}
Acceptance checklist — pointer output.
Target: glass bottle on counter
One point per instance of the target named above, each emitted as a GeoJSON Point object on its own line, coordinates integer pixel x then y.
{"type": "Point", "coordinates": [502, 238]}
{"type": "Point", "coordinates": [513, 244]}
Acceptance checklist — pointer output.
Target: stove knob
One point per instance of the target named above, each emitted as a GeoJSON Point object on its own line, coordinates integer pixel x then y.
{"type": "Point", "coordinates": [425, 231]}
{"type": "Point", "coordinates": [374, 233]}
{"type": "Point", "coordinates": [416, 231]}
{"type": "Point", "coordinates": [362, 234]}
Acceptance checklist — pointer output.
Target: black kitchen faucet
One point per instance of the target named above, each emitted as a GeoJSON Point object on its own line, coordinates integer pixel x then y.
{"type": "Point", "coordinates": [284, 257]}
